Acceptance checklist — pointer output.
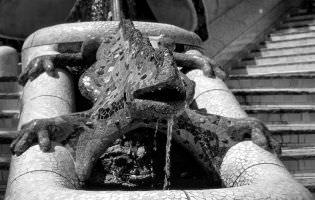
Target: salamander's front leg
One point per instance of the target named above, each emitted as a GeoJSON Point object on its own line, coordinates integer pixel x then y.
{"type": "Point", "coordinates": [254, 130]}
{"type": "Point", "coordinates": [76, 63]}
{"type": "Point", "coordinates": [47, 63]}
{"type": "Point", "coordinates": [93, 143]}
{"type": "Point", "coordinates": [193, 59]}
{"type": "Point", "coordinates": [217, 134]}
{"type": "Point", "coordinates": [232, 130]}
{"type": "Point", "coordinates": [44, 130]}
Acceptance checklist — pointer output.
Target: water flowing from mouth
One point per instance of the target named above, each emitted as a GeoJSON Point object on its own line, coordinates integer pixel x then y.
{"type": "Point", "coordinates": [154, 149]}
{"type": "Point", "coordinates": [155, 135]}
{"type": "Point", "coordinates": [170, 123]}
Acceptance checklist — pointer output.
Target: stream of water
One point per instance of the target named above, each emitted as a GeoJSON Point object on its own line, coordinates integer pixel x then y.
{"type": "Point", "coordinates": [170, 123]}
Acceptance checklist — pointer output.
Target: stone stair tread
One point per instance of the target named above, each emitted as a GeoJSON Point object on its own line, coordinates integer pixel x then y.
{"type": "Point", "coordinates": [301, 17]}
{"type": "Point", "coordinates": [301, 11]}
{"type": "Point", "coordinates": [262, 48]}
{"type": "Point", "coordinates": [307, 179]}
{"type": "Point", "coordinates": [282, 33]}
{"type": "Point", "coordinates": [3, 187]}
{"type": "Point", "coordinates": [282, 56]}
{"type": "Point", "coordinates": [291, 127]}
{"type": "Point", "coordinates": [275, 69]}
{"type": "Point", "coordinates": [9, 113]}
{"type": "Point", "coordinates": [5, 162]}
{"type": "Point", "coordinates": [281, 41]}
{"type": "Point", "coordinates": [274, 90]}
{"type": "Point", "coordinates": [297, 42]}
{"type": "Point", "coordinates": [279, 65]}
{"type": "Point", "coordinates": [272, 76]}
{"type": "Point", "coordinates": [277, 108]}
{"type": "Point", "coordinates": [8, 79]}
{"type": "Point", "coordinates": [7, 135]}
{"type": "Point", "coordinates": [300, 152]}
{"type": "Point", "coordinates": [293, 23]}
{"type": "Point", "coordinates": [291, 36]}
{"type": "Point", "coordinates": [262, 60]}
{"type": "Point", "coordinates": [294, 30]}
{"type": "Point", "coordinates": [14, 95]}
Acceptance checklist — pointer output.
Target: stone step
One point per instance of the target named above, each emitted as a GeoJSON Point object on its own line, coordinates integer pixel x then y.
{"type": "Point", "coordinates": [9, 114]}
{"type": "Point", "coordinates": [275, 96]}
{"type": "Point", "coordinates": [277, 60]}
{"type": "Point", "coordinates": [299, 160]}
{"type": "Point", "coordinates": [294, 30]}
{"type": "Point", "coordinates": [9, 119]}
{"type": "Point", "coordinates": [3, 187]}
{"type": "Point", "coordinates": [284, 114]}
{"type": "Point", "coordinates": [9, 87]}
{"type": "Point", "coordinates": [9, 101]}
{"type": "Point", "coordinates": [300, 80]}
{"type": "Point", "coordinates": [8, 79]}
{"type": "Point", "coordinates": [291, 35]}
{"type": "Point", "coordinates": [275, 69]}
{"type": "Point", "coordinates": [13, 95]}
{"type": "Point", "coordinates": [264, 52]}
{"type": "Point", "coordinates": [302, 11]}
{"type": "Point", "coordinates": [290, 43]}
{"type": "Point", "coordinates": [307, 17]}
{"type": "Point", "coordinates": [4, 173]}
{"type": "Point", "coordinates": [5, 162]}
{"type": "Point", "coordinates": [301, 17]}
{"type": "Point", "coordinates": [5, 150]}
{"type": "Point", "coordinates": [297, 23]}
{"type": "Point", "coordinates": [9, 84]}
{"type": "Point", "coordinates": [6, 136]}
{"type": "Point", "coordinates": [307, 179]}
{"type": "Point", "coordinates": [298, 153]}
{"type": "Point", "coordinates": [293, 135]}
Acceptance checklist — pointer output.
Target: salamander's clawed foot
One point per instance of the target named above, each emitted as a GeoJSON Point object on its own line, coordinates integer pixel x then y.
{"type": "Point", "coordinates": [36, 129]}
{"type": "Point", "coordinates": [37, 66]}
{"type": "Point", "coordinates": [207, 65]}
{"type": "Point", "coordinates": [256, 131]}
{"type": "Point", "coordinates": [41, 131]}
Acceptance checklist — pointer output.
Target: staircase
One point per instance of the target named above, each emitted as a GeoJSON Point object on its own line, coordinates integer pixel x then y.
{"type": "Point", "coordinates": [9, 113]}
{"type": "Point", "coordinates": [276, 84]}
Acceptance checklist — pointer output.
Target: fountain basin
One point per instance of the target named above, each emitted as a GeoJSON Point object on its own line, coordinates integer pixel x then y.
{"type": "Point", "coordinates": [249, 171]}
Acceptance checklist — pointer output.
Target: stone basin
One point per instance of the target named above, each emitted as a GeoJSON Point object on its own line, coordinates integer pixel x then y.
{"type": "Point", "coordinates": [247, 171]}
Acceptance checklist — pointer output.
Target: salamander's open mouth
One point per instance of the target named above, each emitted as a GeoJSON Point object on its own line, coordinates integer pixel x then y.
{"type": "Point", "coordinates": [162, 93]}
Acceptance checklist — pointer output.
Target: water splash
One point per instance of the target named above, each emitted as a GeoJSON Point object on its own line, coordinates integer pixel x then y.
{"type": "Point", "coordinates": [155, 135]}
{"type": "Point", "coordinates": [154, 149]}
{"type": "Point", "coordinates": [170, 123]}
